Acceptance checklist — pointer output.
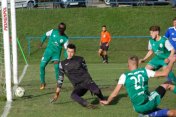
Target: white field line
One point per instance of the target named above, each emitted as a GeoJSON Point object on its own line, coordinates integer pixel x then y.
{"type": "Point", "coordinates": [8, 104]}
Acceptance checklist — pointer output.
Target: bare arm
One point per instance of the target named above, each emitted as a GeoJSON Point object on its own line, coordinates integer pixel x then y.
{"type": "Point", "coordinates": [149, 53]}
{"type": "Point", "coordinates": [59, 83]}
{"type": "Point", "coordinates": [44, 37]}
{"type": "Point", "coordinates": [166, 71]}
{"type": "Point", "coordinates": [171, 54]}
{"type": "Point", "coordinates": [113, 94]}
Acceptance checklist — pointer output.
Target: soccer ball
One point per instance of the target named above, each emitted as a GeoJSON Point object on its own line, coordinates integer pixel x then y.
{"type": "Point", "coordinates": [19, 92]}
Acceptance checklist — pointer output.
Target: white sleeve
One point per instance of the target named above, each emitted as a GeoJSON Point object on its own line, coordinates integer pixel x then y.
{"type": "Point", "coordinates": [122, 79]}
{"type": "Point", "coordinates": [168, 45]}
{"type": "Point", "coordinates": [150, 73]}
{"type": "Point", "coordinates": [49, 33]}
{"type": "Point", "coordinates": [149, 46]}
{"type": "Point", "coordinates": [66, 44]}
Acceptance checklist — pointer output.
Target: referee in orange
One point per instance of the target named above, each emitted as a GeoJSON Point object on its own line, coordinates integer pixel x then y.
{"type": "Point", "coordinates": [104, 44]}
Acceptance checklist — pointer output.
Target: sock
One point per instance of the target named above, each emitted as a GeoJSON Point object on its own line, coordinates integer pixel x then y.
{"type": "Point", "coordinates": [171, 77]}
{"type": "Point", "coordinates": [103, 57]}
{"type": "Point", "coordinates": [174, 91]}
{"type": "Point", "coordinates": [106, 58]}
{"type": "Point", "coordinates": [42, 72]}
{"type": "Point", "coordinates": [56, 67]}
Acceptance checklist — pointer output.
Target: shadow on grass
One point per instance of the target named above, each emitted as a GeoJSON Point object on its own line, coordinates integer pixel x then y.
{"type": "Point", "coordinates": [36, 96]}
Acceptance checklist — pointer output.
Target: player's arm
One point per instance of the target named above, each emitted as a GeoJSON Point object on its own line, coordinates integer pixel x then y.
{"type": "Point", "coordinates": [115, 91]}
{"type": "Point", "coordinates": [109, 37]}
{"type": "Point", "coordinates": [166, 71]}
{"type": "Point", "coordinates": [167, 34]}
{"type": "Point", "coordinates": [100, 39]}
{"type": "Point", "coordinates": [65, 49]}
{"type": "Point", "coordinates": [44, 37]}
{"type": "Point", "coordinates": [59, 83]}
{"type": "Point", "coordinates": [113, 94]}
{"type": "Point", "coordinates": [169, 48]}
{"type": "Point", "coordinates": [149, 53]}
{"type": "Point", "coordinates": [84, 64]}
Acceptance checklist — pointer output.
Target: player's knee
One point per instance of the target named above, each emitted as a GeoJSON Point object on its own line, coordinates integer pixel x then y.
{"type": "Point", "coordinates": [42, 65]}
{"type": "Point", "coordinates": [165, 85]}
{"type": "Point", "coordinates": [56, 62]}
{"type": "Point", "coordinates": [73, 96]}
{"type": "Point", "coordinates": [171, 114]}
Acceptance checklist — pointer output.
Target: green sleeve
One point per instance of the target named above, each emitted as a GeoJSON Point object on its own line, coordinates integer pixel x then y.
{"type": "Point", "coordinates": [43, 38]}
{"type": "Point", "coordinates": [65, 53]}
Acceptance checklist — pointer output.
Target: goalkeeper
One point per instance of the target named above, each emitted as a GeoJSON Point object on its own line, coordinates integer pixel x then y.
{"type": "Point", "coordinates": [57, 39]}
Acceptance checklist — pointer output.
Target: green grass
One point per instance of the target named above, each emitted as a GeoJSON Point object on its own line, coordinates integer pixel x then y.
{"type": "Point", "coordinates": [88, 22]}
{"type": "Point", "coordinates": [35, 103]}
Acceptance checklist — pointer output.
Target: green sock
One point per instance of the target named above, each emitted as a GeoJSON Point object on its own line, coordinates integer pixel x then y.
{"type": "Point", "coordinates": [56, 67]}
{"type": "Point", "coordinates": [174, 91]}
{"type": "Point", "coordinates": [42, 72]}
{"type": "Point", "coordinates": [171, 76]}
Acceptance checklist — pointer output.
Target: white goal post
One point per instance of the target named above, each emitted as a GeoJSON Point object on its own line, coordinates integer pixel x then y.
{"type": "Point", "coordinates": [5, 29]}
{"type": "Point", "coordinates": [6, 43]}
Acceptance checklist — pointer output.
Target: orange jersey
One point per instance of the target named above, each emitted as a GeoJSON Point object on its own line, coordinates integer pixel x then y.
{"type": "Point", "coordinates": [105, 37]}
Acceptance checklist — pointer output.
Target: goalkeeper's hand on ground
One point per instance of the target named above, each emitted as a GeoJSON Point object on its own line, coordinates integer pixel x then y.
{"type": "Point", "coordinates": [53, 99]}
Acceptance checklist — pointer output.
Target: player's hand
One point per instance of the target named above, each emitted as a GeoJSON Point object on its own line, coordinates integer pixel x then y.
{"type": "Point", "coordinates": [104, 102]}
{"type": "Point", "coordinates": [107, 44]}
{"type": "Point", "coordinates": [54, 99]}
{"type": "Point", "coordinates": [172, 58]}
{"type": "Point", "coordinates": [141, 61]}
{"type": "Point", "coordinates": [166, 60]}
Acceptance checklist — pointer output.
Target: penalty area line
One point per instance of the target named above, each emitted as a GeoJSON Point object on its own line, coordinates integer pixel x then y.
{"type": "Point", "coordinates": [9, 103]}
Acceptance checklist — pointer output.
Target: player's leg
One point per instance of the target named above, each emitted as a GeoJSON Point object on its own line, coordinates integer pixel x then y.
{"type": "Point", "coordinates": [154, 64]}
{"type": "Point", "coordinates": [171, 77]}
{"type": "Point", "coordinates": [44, 61]}
{"type": "Point", "coordinates": [159, 113]}
{"type": "Point", "coordinates": [56, 68]}
{"type": "Point", "coordinates": [172, 88]}
{"type": "Point", "coordinates": [171, 113]}
{"type": "Point", "coordinates": [55, 58]}
{"type": "Point", "coordinates": [100, 52]}
{"type": "Point", "coordinates": [106, 52]}
{"type": "Point", "coordinates": [154, 100]}
{"type": "Point", "coordinates": [105, 56]}
{"type": "Point", "coordinates": [94, 89]}
{"type": "Point", "coordinates": [76, 95]}
{"type": "Point", "coordinates": [163, 113]}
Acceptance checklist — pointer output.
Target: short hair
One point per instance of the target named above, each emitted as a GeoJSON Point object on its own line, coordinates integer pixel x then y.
{"type": "Point", "coordinates": [154, 28]}
{"type": "Point", "coordinates": [71, 46]}
{"type": "Point", "coordinates": [104, 26]}
{"type": "Point", "coordinates": [63, 24]}
{"type": "Point", "coordinates": [134, 58]}
{"type": "Point", "coordinates": [174, 19]}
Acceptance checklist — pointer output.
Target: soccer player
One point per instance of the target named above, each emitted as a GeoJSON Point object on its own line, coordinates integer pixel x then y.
{"type": "Point", "coordinates": [104, 44]}
{"type": "Point", "coordinates": [57, 39]}
{"type": "Point", "coordinates": [75, 68]}
{"type": "Point", "coordinates": [162, 50]}
{"type": "Point", "coordinates": [171, 34]}
{"type": "Point", "coordinates": [136, 84]}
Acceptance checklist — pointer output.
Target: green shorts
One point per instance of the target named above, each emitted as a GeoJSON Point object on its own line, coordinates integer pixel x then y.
{"type": "Point", "coordinates": [50, 55]}
{"type": "Point", "coordinates": [150, 104]}
{"type": "Point", "coordinates": [157, 63]}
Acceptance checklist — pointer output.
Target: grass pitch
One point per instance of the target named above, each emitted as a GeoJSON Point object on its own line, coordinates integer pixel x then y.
{"type": "Point", "coordinates": [86, 22]}
{"type": "Point", "coordinates": [36, 103]}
